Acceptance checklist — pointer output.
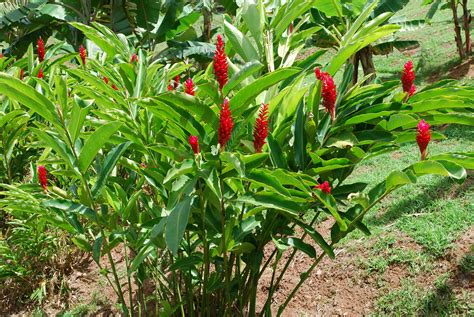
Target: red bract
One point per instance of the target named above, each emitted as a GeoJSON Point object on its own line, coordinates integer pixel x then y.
{"type": "Point", "coordinates": [423, 137]}
{"type": "Point", "coordinates": [408, 78]}
{"type": "Point", "coordinates": [114, 87]}
{"type": "Point", "coordinates": [189, 87]}
{"type": "Point", "coordinates": [134, 59]}
{"type": "Point", "coordinates": [177, 79]}
{"type": "Point", "coordinates": [43, 179]}
{"type": "Point", "coordinates": [41, 50]}
{"type": "Point", "coordinates": [226, 124]}
{"type": "Point", "coordinates": [22, 74]}
{"type": "Point", "coordinates": [220, 63]}
{"type": "Point", "coordinates": [324, 187]}
{"type": "Point", "coordinates": [40, 73]}
{"type": "Point", "coordinates": [194, 142]}
{"type": "Point", "coordinates": [170, 87]}
{"type": "Point", "coordinates": [83, 54]}
{"type": "Point", "coordinates": [106, 80]}
{"type": "Point", "coordinates": [328, 92]}
{"type": "Point", "coordinates": [260, 131]}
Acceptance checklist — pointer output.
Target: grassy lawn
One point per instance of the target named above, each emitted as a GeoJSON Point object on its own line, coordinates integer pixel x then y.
{"type": "Point", "coordinates": [437, 53]}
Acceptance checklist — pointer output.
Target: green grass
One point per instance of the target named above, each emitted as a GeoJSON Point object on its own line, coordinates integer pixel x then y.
{"type": "Point", "coordinates": [413, 300]}
{"type": "Point", "coordinates": [437, 53]}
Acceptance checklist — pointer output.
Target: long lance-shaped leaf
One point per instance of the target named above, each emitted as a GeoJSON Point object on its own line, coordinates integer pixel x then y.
{"type": "Point", "coordinates": [95, 142]}
{"type": "Point", "coordinates": [176, 225]}
{"type": "Point", "coordinates": [17, 90]}
{"type": "Point", "coordinates": [109, 164]}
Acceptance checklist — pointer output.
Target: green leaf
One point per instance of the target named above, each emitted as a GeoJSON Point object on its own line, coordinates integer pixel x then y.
{"type": "Point", "coordinates": [263, 177]}
{"type": "Point", "coordinates": [78, 115]}
{"type": "Point", "coordinates": [108, 165]}
{"type": "Point", "coordinates": [186, 263]}
{"type": "Point", "coordinates": [240, 43]}
{"type": "Point", "coordinates": [58, 146]}
{"type": "Point", "coordinates": [176, 224]}
{"type": "Point", "coordinates": [67, 205]}
{"type": "Point", "coordinates": [318, 238]}
{"type": "Point", "coordinates": [301, 245]}
{"type": "Point", "coordinates": [246, 95]}
{"type": "Point", "coordinates": [17, 90]}
{"type": "Point", "coordinates": [96, 249]}
{"type": "Point", "coordinates": [95, 142]}
{"type": "Point", "coordinates": [276, 153]}
{"type": "Point", "coordinates": [331, 8]}
{"type": "Point", "coordinates": [271, 200]}
{"type": "Point", "coordinates": [247, 70]}
{"type": "Point", "coordinates": [330, 203]}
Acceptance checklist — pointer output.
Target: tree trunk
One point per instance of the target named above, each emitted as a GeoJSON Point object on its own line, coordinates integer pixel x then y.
{"type": "Point", "coordinates": [457, 30]}
{"type": "Point", "coordinates": [367, 61]}
{"type": "Point", "coordinates": [467, 22]}
{"type": "Point", "coordinates": [207, 24]}
{"type": "Point", "coordinates": [355, 74]}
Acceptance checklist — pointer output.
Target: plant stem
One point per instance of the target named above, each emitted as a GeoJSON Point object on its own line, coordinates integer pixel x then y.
{"type": "Point", "coordinates": [129, 281]}
{"type": "Point", "coordinates": [287, 264]}
{"type": "Point", "coordinates": [303, 278]}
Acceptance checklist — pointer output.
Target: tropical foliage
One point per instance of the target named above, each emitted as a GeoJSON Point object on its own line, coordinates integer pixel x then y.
{"type": "Point", "coordinates": [192, 173]}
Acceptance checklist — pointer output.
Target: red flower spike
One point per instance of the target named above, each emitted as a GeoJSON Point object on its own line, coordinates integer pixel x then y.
{"type": "Point", "coordinates": [170, 87]}
{"type": "Point", "coordinates": [22, 74]}
{"type": "Point", "coordinates": [226, 123]}
{"type": "Point", "coordinates": [106, 80]}
{"type": "Point", "coordinates": [114, 87]}
{"type": "Point", "coordinates": [220, 63]}
{"type": "Point", "coordinates": [177, 79]}
{"type": "Point", "coordinates": [194, 142]}
{"type": "Point", "coordinates": [423, 137]}
{"type": "Point", "coordinates": [260, 131]}
{"type": "Point", "coordinates": [324, 187]}
{"type": "Point", "coordinates": [408, 78]}
{"type": "Point", "coordinates": [43, 179]}
{"type": "Point", "coordinates": [83, 54]}
{"type": "Point", "coordinates": [41, 50]}
{"type": "Point", "coordinates": [189, 87]}
{"type": "Point", "coordinates": [328, 92]}
{"type": "Point", "coordinates": [40, 73]}
{"type": "Point", "coordinates": [134, 59]}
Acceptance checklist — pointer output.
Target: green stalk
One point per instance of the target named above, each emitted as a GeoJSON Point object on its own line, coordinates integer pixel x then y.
{"type": "Point", "coordinates": [303, 278]}
{"type": "Point", "coordinates": [224, 246]}
{"type": "Point", "coordinates": [129, 281]}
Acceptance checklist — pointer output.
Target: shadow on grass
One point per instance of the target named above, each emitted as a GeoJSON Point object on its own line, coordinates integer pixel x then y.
{"type": "Point", "coordinates": [443, 301]}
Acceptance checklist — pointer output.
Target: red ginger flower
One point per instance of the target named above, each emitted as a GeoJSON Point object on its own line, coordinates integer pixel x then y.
{"type": "Point", "coordinates": [328, 92]}
{"type": "Point", "coordinates": [134, 59]}
{"type": "Point", "coordinates": [43, 180]}
{"type": "Point", "coordinates": [41, 50]}
{"type": "Point", "coordinates": [324, 187]}
{"type": "Point", "coordinates": [106, 80]}
{"type": "Point", "coordinates": [40, 73]}
{"type": "Point", "coordinates": [194, 142]}
{"type": "Point", "coordinates": [114, 87]}
{"type": "Point", "coordinates": [170, 87]}
{"type": "Point", "coordinates": [22, 74]}
{"type": "Point", "coordinates": [260, 131]}
{"type": "Point", "coordinates": [82, 54]}
{"type": "Point", "coordinates": [177, 79]}
{"type": "Point", "coordinates": [408, 78]}
{"type": "Point", "coordinates": [220, 63]}
{"type": "Point", "coordinates": [226, 124]}
{"type": "Point", "coordinates": [423, 137]}
{"type": "Point", "coordinates": [189, 87]}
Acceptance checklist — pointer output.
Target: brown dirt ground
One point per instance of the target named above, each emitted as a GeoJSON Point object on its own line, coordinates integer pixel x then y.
{"type": "Point", "coordinates": [341, 287]}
